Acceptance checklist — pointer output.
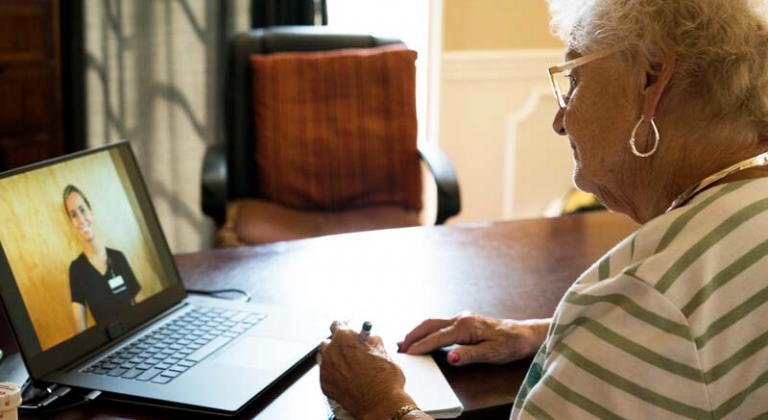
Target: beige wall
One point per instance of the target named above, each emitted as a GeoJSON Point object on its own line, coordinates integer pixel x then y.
{"type": "Point", "coordinates": [496, 108]}
{"type": "Point", "coordinates": [496, 25]}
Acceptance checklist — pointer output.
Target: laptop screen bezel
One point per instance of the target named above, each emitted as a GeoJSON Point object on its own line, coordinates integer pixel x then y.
{"type": "Point", "coordinates": [40, 363]}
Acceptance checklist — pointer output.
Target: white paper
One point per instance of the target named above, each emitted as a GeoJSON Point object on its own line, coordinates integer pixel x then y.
{"type": "Point", "coordinates": [425, 383]}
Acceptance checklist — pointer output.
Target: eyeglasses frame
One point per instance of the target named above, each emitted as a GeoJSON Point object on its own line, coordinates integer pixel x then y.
{"type": "Point", "coordinates": [572, 64]}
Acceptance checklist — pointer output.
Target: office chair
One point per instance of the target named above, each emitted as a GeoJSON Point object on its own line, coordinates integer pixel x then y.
{"type": "Point", "coordinates": [242, 190]}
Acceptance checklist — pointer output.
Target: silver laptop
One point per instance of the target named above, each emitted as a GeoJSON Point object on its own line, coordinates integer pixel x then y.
{"type": "Point", "coordinates": [95, 300]}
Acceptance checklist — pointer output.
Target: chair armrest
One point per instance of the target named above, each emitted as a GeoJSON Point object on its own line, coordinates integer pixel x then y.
{"type": "Point", "coordinates": [213, 193]}
{"type": "Point", "coordinates": [448, 197]}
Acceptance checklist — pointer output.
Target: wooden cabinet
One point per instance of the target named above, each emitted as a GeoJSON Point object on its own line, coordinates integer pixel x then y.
{"type": "Point", "coordinates": [30, 82]}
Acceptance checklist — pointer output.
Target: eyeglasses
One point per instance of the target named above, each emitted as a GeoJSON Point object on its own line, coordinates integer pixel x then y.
{"type": "Point", "coordinates": [560, 75]}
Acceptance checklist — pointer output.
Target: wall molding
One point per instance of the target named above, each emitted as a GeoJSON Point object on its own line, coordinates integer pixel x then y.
{"type": "Point", "coordinates": [532, 103]}
{"type": "Point", "coordinates": [496, 118]}
{"type": "Point", "coordinates": [499, 65]}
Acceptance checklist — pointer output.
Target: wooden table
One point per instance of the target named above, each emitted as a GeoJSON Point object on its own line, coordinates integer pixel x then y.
{"type": "Point", "coordinates": [396, 278]}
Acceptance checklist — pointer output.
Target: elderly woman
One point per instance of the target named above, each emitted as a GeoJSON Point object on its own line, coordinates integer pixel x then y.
{"type": "Point", "coordinates": [666, 110]}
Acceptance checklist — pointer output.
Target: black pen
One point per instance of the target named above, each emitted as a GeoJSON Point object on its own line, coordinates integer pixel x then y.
{"type": "Point", "coordinates": [366, 330]}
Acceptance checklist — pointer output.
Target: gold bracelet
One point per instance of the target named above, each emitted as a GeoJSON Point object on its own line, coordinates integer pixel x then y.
{"type": "Point", "coordinates": [402, 411]}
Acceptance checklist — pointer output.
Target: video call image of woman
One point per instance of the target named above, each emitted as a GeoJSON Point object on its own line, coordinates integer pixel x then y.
{"type": "Point", "coordinates": [100, 278]}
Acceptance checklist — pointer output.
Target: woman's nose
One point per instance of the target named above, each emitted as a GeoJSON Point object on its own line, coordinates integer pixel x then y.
{"type": "Point", "coordinates": [557, 124]}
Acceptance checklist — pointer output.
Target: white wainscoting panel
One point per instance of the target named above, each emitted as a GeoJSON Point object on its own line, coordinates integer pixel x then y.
{"type": "Point", "coordinates": [496, 114]}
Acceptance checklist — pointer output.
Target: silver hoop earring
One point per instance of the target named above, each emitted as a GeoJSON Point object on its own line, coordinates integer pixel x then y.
{"type": "Point", "coordinates": [655, 135]}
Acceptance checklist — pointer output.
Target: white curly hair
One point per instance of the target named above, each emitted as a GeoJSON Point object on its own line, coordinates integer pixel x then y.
{"type": "Point", "coordinates": [721, 46]}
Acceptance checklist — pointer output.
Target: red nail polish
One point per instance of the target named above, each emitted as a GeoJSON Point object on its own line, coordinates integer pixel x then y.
{"type": "Point", "coordinates": [454, 358]}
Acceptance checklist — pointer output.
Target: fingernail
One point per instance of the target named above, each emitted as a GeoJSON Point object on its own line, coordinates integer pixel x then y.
{"type": "Point", "coordinates": [454, 358]}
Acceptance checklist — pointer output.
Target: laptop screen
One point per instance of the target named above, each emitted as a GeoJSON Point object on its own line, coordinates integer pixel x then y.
{"type": "Point", "coordinates": [82, 251]}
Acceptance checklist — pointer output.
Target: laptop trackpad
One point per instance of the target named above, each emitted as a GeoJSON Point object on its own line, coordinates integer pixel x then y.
{"type": "Point", "coordinates": [261, 353]}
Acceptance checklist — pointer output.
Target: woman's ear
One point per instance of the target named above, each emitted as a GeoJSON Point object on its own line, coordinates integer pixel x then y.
{"type": "Point", "coordinates": [658, 72]}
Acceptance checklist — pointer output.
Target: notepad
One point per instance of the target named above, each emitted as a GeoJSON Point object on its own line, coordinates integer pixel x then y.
{"type": "Point", "coordinates": [425, 383]}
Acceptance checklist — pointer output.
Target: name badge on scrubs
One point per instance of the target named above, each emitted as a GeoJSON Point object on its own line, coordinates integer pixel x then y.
{"type": "Point", "coordinates": [117, 284]}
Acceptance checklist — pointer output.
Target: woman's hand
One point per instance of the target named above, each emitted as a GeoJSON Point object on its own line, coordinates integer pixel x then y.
{"type": "Point", "coordinates": [484, 340]}
{"type": "Point", "coordinates": [360, 375]}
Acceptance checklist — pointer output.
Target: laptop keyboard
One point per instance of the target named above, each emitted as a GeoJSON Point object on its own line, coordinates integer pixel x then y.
{"type": "Point", "coordinates": [164, 354]}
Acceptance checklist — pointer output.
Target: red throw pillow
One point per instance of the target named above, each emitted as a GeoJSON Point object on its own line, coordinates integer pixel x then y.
{"type": "Point", "coordinates": [337, 129]}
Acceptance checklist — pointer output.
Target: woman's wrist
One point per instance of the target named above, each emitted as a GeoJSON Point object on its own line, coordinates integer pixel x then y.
{"type": "Point", "coordinates": [389, 405]}
{"type": "Point", "coordinates": [539, 329]}
{"type": "Point", "coordinates": [530, 334]}
{"type": "Point", "coordinates": [417, 415]}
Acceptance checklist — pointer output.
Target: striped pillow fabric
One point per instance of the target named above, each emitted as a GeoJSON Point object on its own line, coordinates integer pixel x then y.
{"type": "Point", "coordinates": [337, 129]}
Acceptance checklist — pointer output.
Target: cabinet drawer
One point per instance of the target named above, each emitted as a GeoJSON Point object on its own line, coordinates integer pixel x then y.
{"type": "Point", "coordinates": [26, 31]}
{"type": "Point", "coordinates": [19, 151]}
{"type": "Point", "coordinates": [27, 99]}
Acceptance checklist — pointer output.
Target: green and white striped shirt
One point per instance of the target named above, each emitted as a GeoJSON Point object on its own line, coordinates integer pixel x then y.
{"type": "Point", "coordinates": [671, 323]}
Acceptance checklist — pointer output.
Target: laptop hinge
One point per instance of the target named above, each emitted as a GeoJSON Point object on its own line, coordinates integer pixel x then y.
{"type": "Point", "coordinates": [115, 330]}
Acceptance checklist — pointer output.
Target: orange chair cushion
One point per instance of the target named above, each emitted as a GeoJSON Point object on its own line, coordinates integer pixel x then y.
{"type": "Point", "coordinates": [337, 129]}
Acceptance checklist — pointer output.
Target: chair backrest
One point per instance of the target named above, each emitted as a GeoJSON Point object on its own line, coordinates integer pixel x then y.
{"type": "Point", "coordinates": [238, 103]}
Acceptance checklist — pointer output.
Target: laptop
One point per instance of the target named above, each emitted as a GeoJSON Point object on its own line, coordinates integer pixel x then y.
{"type": "Point", "coordinates": [95, 301]}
